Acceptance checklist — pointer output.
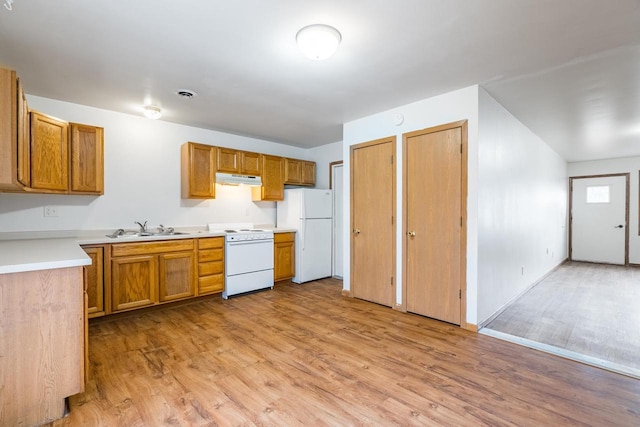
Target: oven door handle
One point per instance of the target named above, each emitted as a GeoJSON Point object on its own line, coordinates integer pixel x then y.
{"type": "Point", "coordinates": [249, 242]}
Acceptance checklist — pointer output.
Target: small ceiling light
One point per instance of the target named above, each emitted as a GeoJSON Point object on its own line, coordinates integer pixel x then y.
{"type": "Point", "coordinates": [152, 112]}
{"type": "Point", "coordinates": [318, 41]}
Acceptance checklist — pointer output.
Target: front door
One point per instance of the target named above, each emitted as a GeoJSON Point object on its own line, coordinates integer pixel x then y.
{"type": "Point", "coordinates": [434, 196]}
{"type": "Point", "coordinates": [599, 214]}
{"type": "Point", "coordinates": [372, 225]}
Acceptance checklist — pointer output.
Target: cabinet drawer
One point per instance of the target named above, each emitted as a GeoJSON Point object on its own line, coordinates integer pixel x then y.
{"type": "Point", "coordinates": [144, 248]}
{"type": "Point", "coordinates": [211, 242]}
{"type": "Point", "coordinates": [283, 237]}
{"type": "Point", "coordinates": [209, 268]}
{"type": "Point", "coordinates": [211, 284]}
{"type": "Point", "coordinates": [206, 255]}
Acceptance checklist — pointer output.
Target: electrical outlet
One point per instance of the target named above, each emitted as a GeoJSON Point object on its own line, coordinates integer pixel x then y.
{"type": "Point", "coordinates": [50, 211]}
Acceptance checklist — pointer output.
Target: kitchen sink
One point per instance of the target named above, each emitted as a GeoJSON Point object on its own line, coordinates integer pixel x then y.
{"type": "Point", "coordinates": [124, 234]}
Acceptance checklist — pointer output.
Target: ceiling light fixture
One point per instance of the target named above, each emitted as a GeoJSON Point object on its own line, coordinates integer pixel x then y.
{"type": "Point", "coordinates": [318, 41]}
{"type": "Point", "coordinates": [152, 112]}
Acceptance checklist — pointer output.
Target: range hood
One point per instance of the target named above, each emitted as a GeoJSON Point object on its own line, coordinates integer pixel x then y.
{"type": "Point", "coordinates": [236, 179]}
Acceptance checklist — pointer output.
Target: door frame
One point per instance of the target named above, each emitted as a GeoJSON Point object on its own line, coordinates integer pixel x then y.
{"type": "Point", "coordinates": [394, 228]}
{"type": "Point", "coordinates": [626, 213]}
{"type": "Point", "coordinates": [462, 124]}
{"type": "Point", "coordinates": [332, 165]}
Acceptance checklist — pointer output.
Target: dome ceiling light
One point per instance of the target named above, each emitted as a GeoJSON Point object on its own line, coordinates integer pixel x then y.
{"type": "Point", "coordinates": [318, 41]}
{"type": "Point", "coordinates": [152, 112]}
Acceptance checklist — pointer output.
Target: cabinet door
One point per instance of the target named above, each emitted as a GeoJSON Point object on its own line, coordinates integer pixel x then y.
{"type": "Point", "coordinates": [24, 153]}
{"type": "Point", "coordinates": [198, 162]}
{"type": "Point", "coordinates": [292, 171]}
{"type": "Point", "coordinates": [94, 281]}
{"type": "Point", "coordinates": [49, 153]}
{"type": "Point", "coordinates": [228, 160]}
{"type": "Point", "coordinates": [309, 173]}
{"type": "Point", "coordinates": [272, 179]}
{"type": "Point", "coordinates": [250, 163]}
{"type": "Point", "coordinates": [177, 275]}
{"type": "Point", "coordinates": [284, 261]}
{"type": "Point", "coordinates": [87, 159]}
{"type": "Point", "coordinates": [134, 282]}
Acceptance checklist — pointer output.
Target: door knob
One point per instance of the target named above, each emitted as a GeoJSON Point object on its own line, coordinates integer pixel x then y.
{"type": "Point", "coordinates": [411, 233]}
{"type": "Point", "coordinates": [356, 231]}
{"type": "Point", "coordinates": [618, 226]}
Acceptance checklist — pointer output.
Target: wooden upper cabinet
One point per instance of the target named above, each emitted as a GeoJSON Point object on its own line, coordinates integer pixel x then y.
{"type": "Point", "coordinates": [228, 160]}
{"type": "Point", "coordinates": [240, 162]}
{"type": "Point", "coordinates": [87, 159]}
{"type": "Point", "coordinates": [198, 163]}
{"type": "Point", "coordinates": [49, 153]}
{"type": "Point", "coordinates": [308, 173]}
{"type": "Point", "coordinates": [24, 153]}
{"type": "Point", "coordinates": [299, 172]}
{"type": "Point", "coordinates": [14, 133]}
{"type": "Point", "coordinates": [272, 188]}
{"type": "Point", "coordinates": [292, 171]}
{"type": "Point", "coordinates": [250, 163]}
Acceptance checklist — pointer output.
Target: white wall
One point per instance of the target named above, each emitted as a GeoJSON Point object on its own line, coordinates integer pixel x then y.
{"type": "Point", "coordinates": [522, 207]}
{"type": "Point", "coordinates": [323, 156]}
{"type": "Point", "coordinates": [623, 165]}
{"type": "Point", "coordinates": [142, 177]}
{"type": "Point", "coordinates": [453, 106]}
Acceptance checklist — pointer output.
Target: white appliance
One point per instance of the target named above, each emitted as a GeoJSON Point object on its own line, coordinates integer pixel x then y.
{"type": "Point", "coordinates": [236, 179]}
{"type": "Point", "coordinates": [308, 211]}
{"type": "Point", "coordinates": [248, 258]}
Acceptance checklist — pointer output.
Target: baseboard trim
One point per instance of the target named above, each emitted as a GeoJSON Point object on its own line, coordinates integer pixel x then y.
{"type": "Point", "coordinates": [567, 354]}
{"type": "Point", "coordinates": [527, 289]}
{"type": "Point", "coordinates": [470, 327]}
{"type": "Point", "coordinates": [346, 293]}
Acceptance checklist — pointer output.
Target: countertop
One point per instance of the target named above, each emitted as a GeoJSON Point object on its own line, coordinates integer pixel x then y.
{"type": "Point", "coordinates": [45, 250]}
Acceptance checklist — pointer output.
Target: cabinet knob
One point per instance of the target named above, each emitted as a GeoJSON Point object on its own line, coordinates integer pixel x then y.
{"type": "Point", "coordinates": [411, 233]}
{"type": "Point", "coordinates": [356, 231]}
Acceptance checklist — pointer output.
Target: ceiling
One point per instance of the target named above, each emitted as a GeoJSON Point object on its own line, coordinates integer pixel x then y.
{"type": "Point", "coordinates": [569, 70]}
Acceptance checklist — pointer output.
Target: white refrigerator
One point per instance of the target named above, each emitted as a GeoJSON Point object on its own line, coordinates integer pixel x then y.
{"type": "Point", "coordinates": [308, 211]}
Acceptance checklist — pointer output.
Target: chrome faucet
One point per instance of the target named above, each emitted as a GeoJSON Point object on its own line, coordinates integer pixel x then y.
{"type": "Point", "coordinates": [143, 227]}
{"type": "Point", "coordinates": [163, 230]}
{"type": "Point", "coordinates": [118, 232]}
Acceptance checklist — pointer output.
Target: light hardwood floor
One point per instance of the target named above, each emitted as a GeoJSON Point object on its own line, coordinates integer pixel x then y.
{"type": "Point", "coordinates": [305, 355]}
{"type": "Point", "coordinates": [591, 309]}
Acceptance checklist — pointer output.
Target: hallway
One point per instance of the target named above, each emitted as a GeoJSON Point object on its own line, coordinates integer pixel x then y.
{"type": "Point", "coordinates": [588, 312]}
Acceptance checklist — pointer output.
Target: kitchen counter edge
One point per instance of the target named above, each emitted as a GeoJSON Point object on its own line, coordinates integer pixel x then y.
{"type": "Point", "coordinates": [30, 251]}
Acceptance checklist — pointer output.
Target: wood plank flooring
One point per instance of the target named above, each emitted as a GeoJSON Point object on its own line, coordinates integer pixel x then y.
{"type": "Point", "coordinates": [591, 309]}
{"type": "Point", "coordinates": [303, 355]}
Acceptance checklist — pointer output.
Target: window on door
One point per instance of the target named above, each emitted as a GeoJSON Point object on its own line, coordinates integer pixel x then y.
{"type": "Point", "coordinates": [598, 194]}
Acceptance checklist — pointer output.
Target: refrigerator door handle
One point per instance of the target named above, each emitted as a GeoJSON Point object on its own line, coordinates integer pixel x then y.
{"type": "Point", "coordinates": [303, 224]}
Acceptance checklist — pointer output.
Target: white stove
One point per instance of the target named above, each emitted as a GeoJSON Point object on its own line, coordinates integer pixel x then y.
{"type": "Point", "coordinates": [248, 258]}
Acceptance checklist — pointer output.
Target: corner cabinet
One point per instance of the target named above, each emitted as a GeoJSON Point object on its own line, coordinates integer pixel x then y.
{"type": "Point", "coordinates": [43, 154]}
{"type": "Point", "coordinates": [14, 133]}
{"type": "Point", "coordinates": [198, 171]}
{"type": "Point", "coordinates": [272, 188]}
{"type": "Point", "coordinates": [283, 256]}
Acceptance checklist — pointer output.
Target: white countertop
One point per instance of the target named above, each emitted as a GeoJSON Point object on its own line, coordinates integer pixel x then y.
{"type": "Point", "coordinates": [45, 250]}
{"type": "Point", "coordinates": [18, 256]}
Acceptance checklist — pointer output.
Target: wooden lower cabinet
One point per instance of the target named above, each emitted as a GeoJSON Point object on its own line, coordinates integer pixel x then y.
{"type": "Point", "coordinates": [210, 265]}
{"type": "Point", "coordinates": [94, 281]}
{"type": "Point", "coordinates": [176, 276]}
{"type": "Point", "coordinates": [134, 282]}
{"type": "Point", "coordinates": [284, 256]}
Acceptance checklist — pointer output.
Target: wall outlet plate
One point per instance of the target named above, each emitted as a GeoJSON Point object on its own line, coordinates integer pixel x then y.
{"type": "Point", "coordinates": [51, 211]}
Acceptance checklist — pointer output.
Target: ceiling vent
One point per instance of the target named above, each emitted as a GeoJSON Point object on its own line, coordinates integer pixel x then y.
{"type": "Point", "coordinates": [186, 93]}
